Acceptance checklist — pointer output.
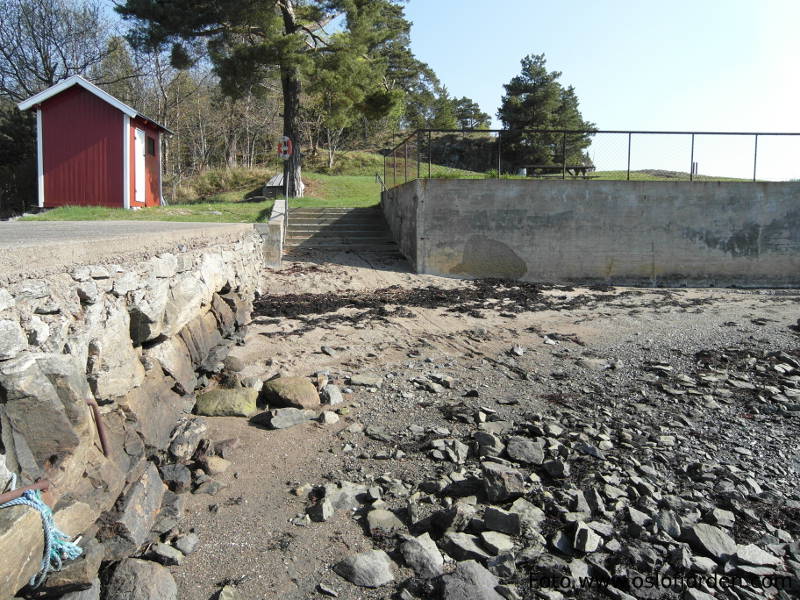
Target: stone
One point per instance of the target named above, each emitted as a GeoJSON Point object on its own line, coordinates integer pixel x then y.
{"type": "Point", "coordinates": [146, 308]}
{"type": "Point", "coordinates": [383, 522]}
{"type": "Point", "coordinates": [113, 365]}
{"type": "Point", "coordinates": [166, 554]}
{"type": "Point", "coordinates": [370, 569]}
{"type": "Point", "coordinates": [12, 339]}
{"type": "Point", "coordinates": [463, 546]}
{"type": "Point", "coordinates": [328, 417]}
{"type": "Point", "coordinates": [363, 380]}
{"type": "Point", "coordinates": [204, 342]}
{"type": "Point", "coordinates": [753, 555]}
{"type": "Point", "coordinates": [523, 450]}
{"type": "Point", "coordinates": [346, 495]}
{"type": "Point", "coordinates": [530, 515]}
{"type": "Point", "coordinates": [668, 524]}
{"type": "Point", "coordinates": [90, 593]}
{"type": "Point", "coordinates": [233, 364]}
{"type": "Point", "coordinates": [695, 594]}
{"type": "Point", "coordinates": [173, 356]}
{"type": "Point", "coordinates": [423, 556]}
{"type": "Point", "coordinates": [711, 541]}
{"type": "Point", "coordinates": [331, 394]}
{"type": "Point", "coordinates": [221, 402]}
{"type": "Point", "coordinates": [557, 469]}
{"type": "Point", "coordinates": [470, 581]}
{"type": "Point", "coordinates": [37, 331]}
{"type": "Point", "coordinates": [187, 543]}
{"type": "Point", "coordinates": [229, 593]}
{"type": "Point", "coordinates": [585, 540]}
{"type": "Point", "coordinates": [488, 444]}
{"type": "Point", "coordinates": [136, 579]}
{"type": "Point", "coordinates": [291, 392]}
{"type": "Point", "coordinates": [497, 519]}
{"type": "Point", "coordinates": [186, 438]}
{"type": "Point", "coordinates": [215, 465]}
{"type": "Point", "coordinates": [320, 511]}
{"type": "Point", "coordinates": [177, 477]}
{"type": "Point", "coordinates": [76, 574]}
{"type": "Point", "coordinates": [88, 292]}
{"type": "Point", "coordinates": [283, 418]}
{"type": "Point", "coordinates": [6, 300]}
{"type": "Point", "coordinates": [187, 294]}
{"type": "Point", "coordinates": [496, 543]}
{"type": "Point", "coordinates": [501, 482]}
{"type": "Point", "coordinates": [137, 513]}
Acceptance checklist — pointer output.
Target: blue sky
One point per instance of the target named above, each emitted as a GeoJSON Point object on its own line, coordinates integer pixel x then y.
{"type": "Point", "coordinates": [712, 65]}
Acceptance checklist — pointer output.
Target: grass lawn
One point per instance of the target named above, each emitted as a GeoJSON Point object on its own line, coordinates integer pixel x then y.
{"type": "Point", "coordinates": [215, 212]}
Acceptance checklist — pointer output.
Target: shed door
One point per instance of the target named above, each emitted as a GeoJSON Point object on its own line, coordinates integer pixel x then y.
{"type": "Point", "coordinates": [139, 168]}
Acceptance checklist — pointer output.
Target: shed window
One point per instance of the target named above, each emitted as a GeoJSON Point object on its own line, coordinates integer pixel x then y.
{"type": "Point", "coordinates": [151, 146]}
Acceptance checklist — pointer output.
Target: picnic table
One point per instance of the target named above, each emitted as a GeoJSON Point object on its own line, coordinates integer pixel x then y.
{"type": "Point", "coordinates": [573, 171]}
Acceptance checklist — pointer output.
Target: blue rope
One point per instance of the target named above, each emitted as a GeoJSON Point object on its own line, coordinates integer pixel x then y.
{"type": "Point", "coordinates": [57, 546]}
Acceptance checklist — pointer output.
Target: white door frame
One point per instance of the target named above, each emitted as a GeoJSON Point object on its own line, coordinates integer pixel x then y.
{"type": "Point", "coordinates": [140, 166]}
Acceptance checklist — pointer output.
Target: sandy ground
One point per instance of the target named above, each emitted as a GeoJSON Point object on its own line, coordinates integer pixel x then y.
{"type": "Point", "coordinates": [250, 540]}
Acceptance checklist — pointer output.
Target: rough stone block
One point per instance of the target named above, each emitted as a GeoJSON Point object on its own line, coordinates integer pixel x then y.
{"type": "Point", "coordinates": [174, 358]}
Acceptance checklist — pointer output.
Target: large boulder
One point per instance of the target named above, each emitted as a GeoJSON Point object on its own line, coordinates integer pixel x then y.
{"type": "Point", "coordinates": [222, 402]}
{"type": "Point", "coordinates": [291, 392]}
{"type": "Point", "coordinates": [136, 579]}
{"type": "Point", "coordinates": [371, 569]}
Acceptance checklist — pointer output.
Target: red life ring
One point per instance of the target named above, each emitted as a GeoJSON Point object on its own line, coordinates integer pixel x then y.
{"type": "Point", "coordinates": [285, 148]}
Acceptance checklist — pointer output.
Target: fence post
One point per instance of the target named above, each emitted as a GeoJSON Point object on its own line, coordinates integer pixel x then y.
{"type": "Point", "coordinates": [755, 157]}
{"type": "Point", "coordinates": [430, 152]}
{"type": "Point", "coordinates": [499, 153]}
{"type": "Point", "coordinates": [405, 161]}
{"type": "Point", "coordinates": [629, 157]}
{"type": "Point", "coordinates": [564, 156]}
{"type": "Point", "coordinates": [419, 155]}
{"type": "Point", "coordinates": [691, 162]}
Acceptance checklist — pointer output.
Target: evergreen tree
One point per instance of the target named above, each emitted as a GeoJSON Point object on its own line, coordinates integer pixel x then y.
{"type": "Point", "coordinates": [535, 99]}
{"type": "Point", "coordinates": [248, 40]}
{"type": "Point", "coordinates": [469, 115]}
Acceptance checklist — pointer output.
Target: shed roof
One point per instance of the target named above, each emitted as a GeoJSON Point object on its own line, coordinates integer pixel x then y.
{"type": "Point", "coordinates": [91, 88]}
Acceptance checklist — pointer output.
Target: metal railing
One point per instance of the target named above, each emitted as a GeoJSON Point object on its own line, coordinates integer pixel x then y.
{"type": "Point", "coordinates": [594, 155]}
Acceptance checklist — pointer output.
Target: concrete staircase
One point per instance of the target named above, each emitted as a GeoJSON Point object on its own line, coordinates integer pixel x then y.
{"type": "Point", "coordinates": [337, 229]}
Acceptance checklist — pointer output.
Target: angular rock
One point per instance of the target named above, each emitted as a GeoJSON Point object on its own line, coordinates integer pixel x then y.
{"type": "Point", "coordinates": [753, 555]}
{"type": "Point", "coordinates": [136, 515]}
{"type": "Point", "coordinates": [174, 358]}
{"type": "Point", "coordinates": [186, 438]}
{"type": "Point", "coordinates": [328, 417]}
{"type": "Point", "coordinates": [229, 593]}
{"type": "Point", "coordinates": [487, 444]}
{"type": "Point", "coordinates": [496, 543]}
{"type": "Point", "coordinates": [283, 418]}
{"type": "Point", "coordinates": [114, 366]}
{"type": "Point", "coordinates": [526, 451]}
{"type": "Point", "coordinates": [77, 574]}
{"type": "Point", "coordinates": [136, 579]}
{"type": "Point", "coordinates": [187, 543]}
{"type": "Point", "coordinates": [222, 402]}
{"type": "Point", "coordinates": [166, 554]}
{"type": "Point", "coordinates": [382, 522]}
{"type": "Point", "coordinates": [370, 569]}
{"type": "Point", "coordinates": [497, 519]}
{"type": "Point", "coordinates": [375, 381]}
{"type": "Point", "coordinates": [502, 482]}
{"type": "Point", "coordinates": [422, 555]}
{"type": "Point", "coordinates": [470, 581]}
{"type": "Point", "coordinates": [331, 394]}
{"type": "Point", "coordinates": [711, 541]}
{"type": "Point", "coordinates": [463, 546]}
{"type": "Point", "coordinates": [346, 495]}
{"type": "Point", "coordinates": [320, 511]}
{"type": "Point", "coordinates": [556, 468]}
{"type": "Point", "coordinates": [530, 515]}
{"type": "Point", "coordinates": [291, 392]}
{"type": "Point", "coordinates": [585, 540]}
{"type": "Point", "coordinates": [90, 593]}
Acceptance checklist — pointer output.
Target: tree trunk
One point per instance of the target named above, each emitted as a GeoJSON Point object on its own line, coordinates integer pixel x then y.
{"type": "Point", "coordinates": [290, 85]}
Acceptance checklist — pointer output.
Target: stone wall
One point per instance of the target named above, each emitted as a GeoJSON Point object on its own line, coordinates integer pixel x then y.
{"type": "Point", "coordinates": [615, 232]}
{"type": "Point", "coordinates": [131, 336]}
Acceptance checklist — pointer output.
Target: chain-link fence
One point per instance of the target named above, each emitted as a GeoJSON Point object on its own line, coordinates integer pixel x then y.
{"type": "Point", "coordinates": [594, 155]}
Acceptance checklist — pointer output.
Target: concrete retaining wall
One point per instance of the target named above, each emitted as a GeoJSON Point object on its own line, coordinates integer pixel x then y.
{"type": "Point", "coordinates": [618, 232]}
{"type": "Point", "coordinates": [131, 334]}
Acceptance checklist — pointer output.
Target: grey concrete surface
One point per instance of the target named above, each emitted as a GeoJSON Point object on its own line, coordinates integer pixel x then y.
{"type": "Point", "coordinates": [616, 232]}
{"type": "Point", "coordinates": [38, 248]}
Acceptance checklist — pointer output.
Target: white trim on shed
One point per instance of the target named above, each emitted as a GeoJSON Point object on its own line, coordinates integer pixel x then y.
{"type": "Point", "coordinates": [126, 161]}
{"type": "Point", "coordinates": [69, 82]}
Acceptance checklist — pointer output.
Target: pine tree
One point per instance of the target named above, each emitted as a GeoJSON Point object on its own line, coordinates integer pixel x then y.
{"type": "Point", "coordinates": [249, 40]}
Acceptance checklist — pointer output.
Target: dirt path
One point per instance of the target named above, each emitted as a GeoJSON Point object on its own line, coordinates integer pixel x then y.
{"type": "Point", "coordinates": [246, 532]}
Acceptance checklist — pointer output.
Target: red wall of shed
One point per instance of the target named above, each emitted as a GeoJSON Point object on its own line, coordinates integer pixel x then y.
{"type": "Point", "coordinates": [152, 164]}
{"type": "Point", "coordinates": [82, 148]}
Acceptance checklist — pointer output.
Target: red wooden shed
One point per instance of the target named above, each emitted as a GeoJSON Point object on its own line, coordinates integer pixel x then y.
{"type": "Point", "coordinates": [93, 149]}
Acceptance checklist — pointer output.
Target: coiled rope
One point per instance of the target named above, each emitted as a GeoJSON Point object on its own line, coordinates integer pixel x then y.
{"type": "Point", "coordinates": [57, 546]}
